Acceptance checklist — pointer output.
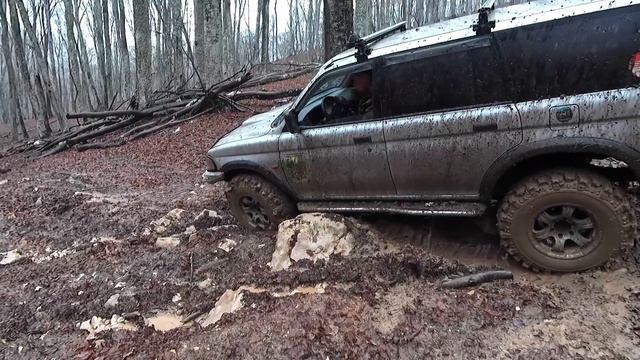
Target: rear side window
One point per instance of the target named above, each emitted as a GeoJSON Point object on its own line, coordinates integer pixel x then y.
{"type": "Point", "coordinates": [443, 82]}
{"type": "Point", "coordinates": [576, 55]}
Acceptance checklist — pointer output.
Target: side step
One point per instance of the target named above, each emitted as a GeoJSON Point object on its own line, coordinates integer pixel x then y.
{"type": "Point", "coordinates": [440, 208]}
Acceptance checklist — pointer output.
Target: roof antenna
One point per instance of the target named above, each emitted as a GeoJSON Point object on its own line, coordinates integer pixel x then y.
{"type": "Point", "coordinates": [484, 26]}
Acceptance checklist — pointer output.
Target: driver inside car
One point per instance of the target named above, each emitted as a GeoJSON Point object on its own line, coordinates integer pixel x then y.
{"type": "Point", "coordinates": [353, 103]}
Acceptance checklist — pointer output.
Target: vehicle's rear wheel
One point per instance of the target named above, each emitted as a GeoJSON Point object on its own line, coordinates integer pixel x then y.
{"type": "Point", "coordinates": [565, 220]}
{"type": "Point", "coordinates": [257, 204]}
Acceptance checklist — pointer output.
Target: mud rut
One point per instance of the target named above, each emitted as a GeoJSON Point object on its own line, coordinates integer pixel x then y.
{"type": "Point", "coordinates": [87, 237]}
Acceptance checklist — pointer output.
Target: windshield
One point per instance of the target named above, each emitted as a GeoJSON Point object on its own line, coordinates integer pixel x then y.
{"type": "Point", "coordinates": [325, 86]}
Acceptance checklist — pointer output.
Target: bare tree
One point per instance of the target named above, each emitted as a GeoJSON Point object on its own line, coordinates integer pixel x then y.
{"type": "Point", "coordinates": [264, 32]}
{"type": "Point", "coordinates": [108, 59]}
{"type": "Point", "coordinates": [98, 38]}
{"type": "Point", "coordinates": [228, 41]}
{"type": "Point", "coordinates": [198, 47]}
{"type": "Point", "coordinates": [14, 96]}
{"type": "Point", "coordinates": [338, 26]}
{"type": "Point", "coordinates": [363, 24]}
{"type": "Point", "coordinates": [143, 49]}
{"type": "Point", "coordinates": [72, 49]}
{"type": "Point", "coordinates": [176, 36]}
{"type": "Point", "coordinates": [212, 71]}
{"type": "Point", "coordinates": [123, 49]}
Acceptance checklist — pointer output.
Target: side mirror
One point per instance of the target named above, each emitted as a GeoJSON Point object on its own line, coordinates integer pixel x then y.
{"type": "Point", "coordinates": [291, 119]}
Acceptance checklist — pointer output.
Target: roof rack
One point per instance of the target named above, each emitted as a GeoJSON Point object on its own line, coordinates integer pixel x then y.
{"type": "Point", "coordinates": [484, 26]}
{"type": "Point", "coordinates": [362, 44]}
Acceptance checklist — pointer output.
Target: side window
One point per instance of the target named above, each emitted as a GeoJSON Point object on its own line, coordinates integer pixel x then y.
{"type": "Point", "coordinates": [433, 83]}
{"type": "Point", "coordinates": [570, 56]}
{"type": "Point", "coordinates": [344, 97]}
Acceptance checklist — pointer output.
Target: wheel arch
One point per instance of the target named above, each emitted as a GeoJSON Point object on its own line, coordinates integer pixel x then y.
{"type": "Point", "coordinates": [235, 168]}
{"type": "Point", "coordinates": [575, 152]}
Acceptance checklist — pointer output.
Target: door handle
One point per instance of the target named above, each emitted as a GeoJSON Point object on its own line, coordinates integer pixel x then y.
{"type": "Point", "coordinates": [485, 127]}
{"type": "Point", "coordinates": [362, 139]}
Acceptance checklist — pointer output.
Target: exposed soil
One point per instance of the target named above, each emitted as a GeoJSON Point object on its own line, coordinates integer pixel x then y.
{"type": "Point", "coordinates": [82, 221]}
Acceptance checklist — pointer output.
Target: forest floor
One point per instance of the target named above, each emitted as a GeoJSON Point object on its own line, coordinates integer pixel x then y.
{"type": "Point", "coordinates": [81, 223]}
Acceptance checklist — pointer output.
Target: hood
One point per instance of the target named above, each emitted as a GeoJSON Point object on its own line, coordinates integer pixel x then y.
{"type": "Point", "coordinates": [253, 127]}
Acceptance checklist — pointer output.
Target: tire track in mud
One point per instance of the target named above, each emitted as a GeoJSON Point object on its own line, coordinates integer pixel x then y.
{"type": "Point", "coordinates": [453, 238]}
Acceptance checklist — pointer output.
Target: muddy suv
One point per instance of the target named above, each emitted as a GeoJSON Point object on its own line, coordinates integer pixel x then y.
{"type": "Point", "coordinates": [530, 112]}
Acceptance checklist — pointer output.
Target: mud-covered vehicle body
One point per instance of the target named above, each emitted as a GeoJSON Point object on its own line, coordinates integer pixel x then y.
{"type": "Point", "coordinates": [531, 111]}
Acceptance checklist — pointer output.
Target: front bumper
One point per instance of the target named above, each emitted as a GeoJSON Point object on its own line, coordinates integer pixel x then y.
{"type": "Point", "coordinates": [213, 177]}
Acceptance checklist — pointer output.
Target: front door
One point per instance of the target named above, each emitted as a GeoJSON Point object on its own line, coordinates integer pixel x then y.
{"type": "Point", "coordinates": [340, 152]}
{"type": "Point", "coordinates": [346, 161]}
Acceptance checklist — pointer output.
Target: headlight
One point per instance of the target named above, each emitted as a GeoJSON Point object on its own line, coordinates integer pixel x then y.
{"type": "Point", "coordinates": [211, 166]}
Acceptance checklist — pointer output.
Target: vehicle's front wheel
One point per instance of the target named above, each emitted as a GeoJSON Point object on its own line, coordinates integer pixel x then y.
{"type": "Point", "coordinates": [258, 204]}
{"type": "Point", "coordinates": [565, 220]}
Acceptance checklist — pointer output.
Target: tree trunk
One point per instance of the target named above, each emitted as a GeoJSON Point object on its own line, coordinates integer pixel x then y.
{"type": "Point", "coordinates": [123, 49]}
{"type": "Point", "coordinates": [338, 26]}
{"type": "Point", "coordinates": [198, 10]}
{"type": "Point", "coordinates": [419, 12]}
{"type": "Point", "coordinates": [264, 53]}
{"type": "Point", "coordinates": [178, 58]}
{"type": "Point", "coordinates": [42, 69]}
{"type": "Point", "coordinates": [256, 43]}
{"type": "Point", "coordinates": [98, 38]}
{"type": "Point", "coordinates": [14, 103]}
{"type": "Point", "coordinates": [108, 59]}
{"type": "Point", "coordinates": [212, 42]}
{"type": "Point", "coordinates": [227, 27]}
{"type": "Point", "coordinates": [158, 50]}
{"type": "Point", "coordinates": [363, 15]}
{"type": "Point", "coordinates": [142, 30]}
{"type": "Point", "coordinates": [166, 60]}
{"type": "Point", "coordinates": [85, 65]}
{"type": "Point", "coordinates": [72, 51]}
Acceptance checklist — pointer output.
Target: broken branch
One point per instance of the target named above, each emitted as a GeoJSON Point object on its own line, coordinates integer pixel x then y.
{"type": "Point", "coordinates": [475, 279]}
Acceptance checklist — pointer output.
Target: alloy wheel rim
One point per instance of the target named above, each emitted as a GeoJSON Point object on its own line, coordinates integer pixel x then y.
{"type": "Point", "coordinates": [565, 232]}
{"type": "Point", "coordinates": [256, 215]}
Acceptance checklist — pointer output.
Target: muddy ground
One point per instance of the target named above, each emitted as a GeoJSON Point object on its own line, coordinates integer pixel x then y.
{"type": "Point", "coordinates": [83, 224]}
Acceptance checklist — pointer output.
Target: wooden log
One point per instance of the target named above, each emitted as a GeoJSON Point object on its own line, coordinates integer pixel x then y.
{"type": "Point", "coordinates": [475, 279]}
{"type": "Point", "coordinates": [104, 114]}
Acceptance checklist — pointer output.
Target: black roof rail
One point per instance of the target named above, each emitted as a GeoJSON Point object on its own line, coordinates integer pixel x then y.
{"type": "Point", "coordinates": [362, 44]}
{"type": "Point", "coordinates": [484, 26]}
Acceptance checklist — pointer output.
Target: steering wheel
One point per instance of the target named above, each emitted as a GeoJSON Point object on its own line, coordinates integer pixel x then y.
{"type": "Point", "coordinates": [330, 107]}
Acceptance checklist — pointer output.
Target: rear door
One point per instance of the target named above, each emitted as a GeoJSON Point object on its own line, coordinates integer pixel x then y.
{"type": "Point", "coordinates": [449, 117]}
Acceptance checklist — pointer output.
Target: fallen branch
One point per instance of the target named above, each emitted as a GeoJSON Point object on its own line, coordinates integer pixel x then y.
{"type": "Point", "coordinates": [136, 113]}
{"type": "Point", "coordinates": [4, 171]}
{"type": "Point", "coordinates": [475, 279]}
{"type": "Point", "coordinates": [274, 77]}
{"type": "Point", "coordinates": [167, 125]}
{"type": "Point", "coordinates": [165, 108]}
{"type": "Point", "coordinates": [100, 145]}
{"type": "Point", "coordinates": [263, 95]}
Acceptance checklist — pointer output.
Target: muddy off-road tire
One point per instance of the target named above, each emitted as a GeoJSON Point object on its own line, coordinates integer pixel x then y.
{"type": "Point", "coordinates": [258, 204]}
{"type": "Point", "coordinates": [565, 220]}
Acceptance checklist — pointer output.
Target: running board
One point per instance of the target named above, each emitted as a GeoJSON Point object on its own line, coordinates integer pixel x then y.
{"type": "Point", "coordinates": [442, 208]}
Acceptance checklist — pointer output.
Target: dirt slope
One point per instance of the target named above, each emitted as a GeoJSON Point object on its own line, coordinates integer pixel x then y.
{"type": "Point", "coordinates": [83, 222]}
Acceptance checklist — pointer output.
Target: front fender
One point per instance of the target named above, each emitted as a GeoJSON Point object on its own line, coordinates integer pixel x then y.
{"type": "Point", "coordinates": [233, 168]}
